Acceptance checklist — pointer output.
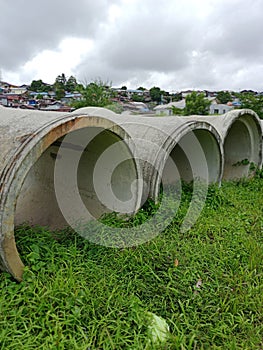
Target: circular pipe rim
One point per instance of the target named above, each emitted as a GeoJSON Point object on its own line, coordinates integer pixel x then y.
{"type": "Point", "coordinates": [16, 171]}
{"type": "Point", "coordinates": [172, 141]}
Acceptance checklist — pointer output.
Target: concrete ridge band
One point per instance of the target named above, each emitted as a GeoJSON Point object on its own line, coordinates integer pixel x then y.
{"type": "Point", "coordinates": [228, 144]}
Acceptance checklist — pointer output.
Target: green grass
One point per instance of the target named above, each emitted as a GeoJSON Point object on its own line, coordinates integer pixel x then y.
{"type": "Point", "coordinates": [77, 295]}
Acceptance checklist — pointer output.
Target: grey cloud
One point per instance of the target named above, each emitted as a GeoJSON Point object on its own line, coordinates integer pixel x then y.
{"type": "Point", "coordinates": [178, 42]}
{"type": "Point", "coordinates": [147, 48]}
{"type": "Point", "coordinates": [159, 37]}
{"type": "Point", "coordinates": [96, 68]}
{"type": "Point", "coordinates": [235, 30]}
{"type": "Point", "coordinates": [29, 26]}
{"type": "Point", "coordinates": [152, 38]}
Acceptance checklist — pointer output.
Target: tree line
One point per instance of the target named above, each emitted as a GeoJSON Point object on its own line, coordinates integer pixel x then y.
{"type": "Point", "coordinates": [98, 93]}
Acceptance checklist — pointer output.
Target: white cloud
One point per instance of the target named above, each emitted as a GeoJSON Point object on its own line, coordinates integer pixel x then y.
{"type": "Point", "coordinates": [49, 63]}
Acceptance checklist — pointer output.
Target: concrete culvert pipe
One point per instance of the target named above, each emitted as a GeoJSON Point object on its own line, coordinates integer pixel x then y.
{"type": "Point", "coordinates": [168, 150]}
{"type": "Point", "coordinates": [194, 147]}
{"type": "Point", "coordinates": [197, 152]}
{"type": "Point", "coordinates": [242, 145]}
{"type": "Point", "coordinates": [171, 149]}
{"type": "Point", "coordinates": [241, 134]}
{"type": "Point", "coordinates": [32, 143]}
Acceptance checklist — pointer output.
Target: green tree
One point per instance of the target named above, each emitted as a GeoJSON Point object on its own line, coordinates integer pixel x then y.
{"type": "Point", "coordinates": [39, 97]}
{"type": "Point", "coordinates": [95, 94]}
{"type": "Point", "coordinates": [175, 97]}
{"type": "Point", "coordinates": [39, 86]}
{"type": "Point", "coordinates": [196, 103]}
{"type": "Point", "coordinates": [252, 101]}
{"type": "Point", "coordinates": [137, 98]}
{"type": "Point", "coordinates": [60, 93]}
{"type": "Point", "coordinates": [36, 85]}
{"type": "Point", "coordinates": [156, 94]}
{"type": "Point", "coordinates": [224, 96]}
{"type": "Point", "coordinates": [60, 86]}
{"type": "Point", "coordinates": [61, 80]}
{"type": "Point", "coordinates": [177, 111]}
{"type": "Point", "coordinates": [71, 84]}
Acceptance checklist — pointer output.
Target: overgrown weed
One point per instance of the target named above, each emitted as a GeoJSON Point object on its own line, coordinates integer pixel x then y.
{"type": "Point", "coordinates": [206, 283]}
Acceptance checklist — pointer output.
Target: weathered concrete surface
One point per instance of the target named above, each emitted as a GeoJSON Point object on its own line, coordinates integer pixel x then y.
{"type": "Point", "coordinates": [29, 146]}
{"type": "Point", "coordinates": [151, 151]}
{"type": "Point", "coordinates": [192, 146]}
{"type": "Point", "coordinates": [241, 134]}
{"type": "Point", "coordinates": [220, 146]}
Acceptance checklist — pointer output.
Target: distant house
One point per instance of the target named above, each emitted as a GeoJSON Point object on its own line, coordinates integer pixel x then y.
{"type": "Point", "coordinates": [4, 85]}
{"type": "Point", "coordinates": [210, 93]}
{"type": "Point", "coordinates": [218, 108]}
{"type": "Point", "coordinates": [35, 94]}
{"type": "Point", "coordinates": [186, 93]}
{"type": "Point", "coordinates": [167, 109]}
{"type": "Point", "coordinates": [137, 107]}
{"type": "Point", "coordinates": [235, 103]}
{"type": "Point", "coordinates": [18, 90]}
{"type": "Point", "coordinates": [25, 86]}
{"type": "Point", "coordinates": [74, 96]}
{"type": "Point", "coordinates": [128, 94]}
{"type": "Point", "coordinates": [212, 99]}
{"type": "Point", "coordinates": [12, 100]}
{"type": "Point", "coordinates": [215, 108]}
{"type": "Point", "coordinates": [3, 100]}
{"type": "Point", "coordinates": [55, 106]}
{"type": "Point", "coordinates": [32, 102]}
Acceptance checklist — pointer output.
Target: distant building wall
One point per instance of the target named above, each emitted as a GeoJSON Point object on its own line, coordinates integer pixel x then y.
{"type": "Point", "coordinates": [220, 108]}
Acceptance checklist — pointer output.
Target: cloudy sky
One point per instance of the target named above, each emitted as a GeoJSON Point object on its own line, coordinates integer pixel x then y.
{"type": "Point", "coordinates": [173, 44]}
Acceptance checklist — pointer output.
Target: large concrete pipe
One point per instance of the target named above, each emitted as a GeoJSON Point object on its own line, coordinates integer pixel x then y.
{"type": "Point", "coordinates": [194, 149]}
{"type": "Point", "coordinates": [231, 143]}
{"type": "Point", "coordinates": [241, 133]}
{"type": "Point", "coordinates": [43, 151]}
{"type": "Point", "coordinates": [30, 144]}
{"type": "Point", "coordinates": [168, 150]}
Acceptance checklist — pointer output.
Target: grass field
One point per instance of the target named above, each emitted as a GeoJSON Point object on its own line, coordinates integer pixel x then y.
{"type": "Point", "coordinates": [206, 283]}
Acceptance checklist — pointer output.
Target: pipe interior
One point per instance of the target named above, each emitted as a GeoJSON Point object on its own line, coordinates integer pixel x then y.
{"type": "Point", "coordinates": [241, 149]}
{"type": "Point", "coordinates": [195, 156]}
{"type": "Point", "coordinates": [37, 204]}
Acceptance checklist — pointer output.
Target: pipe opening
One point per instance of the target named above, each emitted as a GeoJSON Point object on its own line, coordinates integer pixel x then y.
{"type": "Point", "coordinates": [242, 148]}
{"type": "Point", "coordinates": [37, 203]}
{"type": "Point", "coordinates": [196, 156]}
